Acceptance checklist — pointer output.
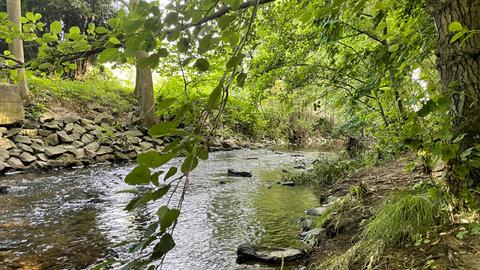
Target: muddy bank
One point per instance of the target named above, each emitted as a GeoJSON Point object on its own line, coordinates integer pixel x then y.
{"type": "Point", "coordinates": [67, 140]}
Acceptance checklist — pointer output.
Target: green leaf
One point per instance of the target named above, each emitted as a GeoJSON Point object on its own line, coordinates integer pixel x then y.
{"type": "Point", "coordinates": [133, 25]}
{"type": "Point", "coordinates": [101, 30]}
{"type": "Point", "coordinates": [234, 61]}
{"type": "Point", "coordinates": [224, 21]}
{"type": "Point", "coordinates": [165, 103]}
{"type": "Point", "coordinates": [241, 79]}
{"type": "Point", "coordinates": [114, 40]}
{"type": "Point", "coordinates": [171, 172]}
{"type": "Point", "coordinates": [162, 129]}
{"type": "Point", "coordinates": [149, 159]}
{"type": "Point", "coordinates": [204, 44]}
{"type": "Point", "coordinates": [74, 30]}
{"type": "Point", "coordinates": [30, 16]}
{"type": "Point", "coordinates": [455, 27]}
{"type": "Point", "coordinates": [108, 55]}
{"type": "Point", "coordinates": [163, 247]}
{"type": "Point", "coordinates": [214, 97]}
{"type": "Point", "coordinates": [203, 153]}
{"type": "Point", "coordinates": [140, 175]}
{"type": "Point", "coordinates": [162, 52]}
{"type": "Point", "coordinates": [426, 109]}
{"type": "Point", "coordinates": [167, 216]}
{"type": "Point", "coordinates": [183, 45]}
{"type": "Point", "coordinates": [55, 27]}
{"type": "Point", "coordinates": [171, 18]}
{"type": "Point", "coordinates": [189, 164]}
{"type": "Point", "coordinates": [202, 64]}
{"type": "Point", "coordinates": [457, 36]}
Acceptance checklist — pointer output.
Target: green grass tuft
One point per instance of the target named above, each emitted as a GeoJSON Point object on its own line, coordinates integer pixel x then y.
{"type": "Point", "coordinates": [404, 219]}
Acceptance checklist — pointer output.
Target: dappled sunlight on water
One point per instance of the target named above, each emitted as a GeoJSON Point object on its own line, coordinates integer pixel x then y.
{"type": "Point", "coordinates": [74, 219]}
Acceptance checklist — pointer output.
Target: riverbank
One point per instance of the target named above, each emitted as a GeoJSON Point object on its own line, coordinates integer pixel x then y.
{"type": "Point", "coordinates": [68, 140]}
{"type": "Point", "coordinates": [361, 196]}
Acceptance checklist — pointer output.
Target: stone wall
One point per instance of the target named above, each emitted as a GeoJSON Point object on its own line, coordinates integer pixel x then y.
{"type": "Point", "coordinates": [67, 140]}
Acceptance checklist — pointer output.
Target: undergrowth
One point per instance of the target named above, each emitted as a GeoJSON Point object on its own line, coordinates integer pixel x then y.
{"type": "Point", "coordinates": [83, 94]}
{"type": "Point", "coordinates": [329, 168]}
{"type": "Point", "coordinates": [404, 219]}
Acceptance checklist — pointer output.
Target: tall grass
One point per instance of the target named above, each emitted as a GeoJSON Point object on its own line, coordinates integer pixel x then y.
{"type": "Point", "coordinates": [406, 218]}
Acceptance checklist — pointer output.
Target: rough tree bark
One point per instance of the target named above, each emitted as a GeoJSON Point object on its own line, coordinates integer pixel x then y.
{"type": "Point", "coordinates": [459, 67]}
{"type": "Point", "coordinates": [144, 87]}
{"type": "Point", "coordinates": [16, 47]}
{"type": "Point", "coordinates": [144, 92]}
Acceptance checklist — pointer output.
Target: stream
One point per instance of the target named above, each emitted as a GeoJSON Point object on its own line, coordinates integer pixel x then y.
{"type": "Point", "coordinates": [74, 219]}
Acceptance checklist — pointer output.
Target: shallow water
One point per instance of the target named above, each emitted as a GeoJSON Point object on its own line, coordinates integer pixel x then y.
{"type": "Point", "coordinates": [73, 219]}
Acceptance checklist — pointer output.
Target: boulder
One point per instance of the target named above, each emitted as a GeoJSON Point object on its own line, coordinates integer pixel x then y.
{"type": "Point", "coordinates": [145, 146]}
{"type": "Point", "coordinates": [47, 117]}
{"type": "Point", "coordinates": [53, 125]}
{"type": "Point", "coordinates": [38, 148]}
{"type": "Point", "coordinates": [78, 144]}
{"type": "Point", "coordinates": [4, 155]}
{"type": "Point", "coordinates": [133, 132]}
{"type": "Point", "coordinates": [65, 160]}
{"type": "Point", "coordinates": [44, 132]}
{"type": "Point", "coordinates": [3, 166]}
{"type": "Point", "coordinates": [54, 151]}
{"type": "Point", "coordinates": [42, 157]}
{"type": "Point", "coordinates": [248, 253]}
{"type": "Point", "coordinates": [3, 130]}
{"type": "Point", "coordinates": [68, 128]}
{"type": "Point", "coordinates": [92, 148]}
{"type": "Point", "coordinates": [120, 156]}
{"type": "Point", "coordinates": [104, 158]}
{"type": "Point", "coordinates": [22, 139]}
{"type": "Point", "coordinates": [104, 118]}
{"type": "Point", "coordinates": [87, 138]}
{"type": "Point", "coordinates": [52, 139]}
{"type": "Point", "coordinates": [27, 158]}
{"type": "Point", "coordinates": [15, 152]}
{"type": "Point", "coordinates": [30, 132]}
{"type": "Point", "coordinates": [80, 153]}
{"type": "Point", "coordinates": [15, 163]}
{"type": "Point", "coordinates": [75, 136]}
{"type": "Point", "coordinates": [12, 132]}
{"type": "Point", "coordinates": [64, 137]}
{"type": "Point", "coordinates": [230, 144]}
{"type": "Point", "coordinates": [133, 140]}
{"type": "Point", "coordinates": [11, 108]}
{"type": "Point", "coordinates": [102, 150]}
{"type": "Point", "coordinates": [309, 235]}
{"type": "Point", "coordinates": [6, 144]}
{"type": "Point", "coordinates": [231, 172]}
{"type": "Point", "coordinates": [25, 148]}
{"type": "Point", "coordinates": [69, 118]}
{"type": "Point", "coordinates": [318, 211]}
{"type": "Point", "coordinates": [77, 129]}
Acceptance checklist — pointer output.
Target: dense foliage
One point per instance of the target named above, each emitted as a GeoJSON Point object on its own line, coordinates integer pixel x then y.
{"type": "Point", "coordinates": [358, 71]}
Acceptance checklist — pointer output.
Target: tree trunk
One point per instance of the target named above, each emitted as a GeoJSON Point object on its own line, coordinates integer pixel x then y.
{"type": "Point", "coordinates": [16, 47]}
{"type": "Point", "coordinates": [144, 90]}
{"type": "Point", "coordinates": [459, 67]}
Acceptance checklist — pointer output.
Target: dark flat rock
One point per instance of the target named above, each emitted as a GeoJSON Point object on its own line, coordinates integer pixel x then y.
{"type": "Point", "coordinates": [231, 172]}
{"type": "Point", "coordinates": [250, 254]}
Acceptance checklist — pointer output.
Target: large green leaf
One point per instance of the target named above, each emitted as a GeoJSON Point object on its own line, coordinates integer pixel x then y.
{"type": "Point", "coordinates": [140, 175]}
{"type": "Point", "coordinates": [161, 248]}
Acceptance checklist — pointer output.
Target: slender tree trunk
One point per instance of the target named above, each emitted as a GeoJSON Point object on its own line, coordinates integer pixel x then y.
{"type": "Point", "coordinates": [144, 91]}
{"type": "Point", "coordinates": [459, 67]}
{"type": "Point", "coordinates": [144, 87]}
{"type": "Point", "coordinates": [16, 47]}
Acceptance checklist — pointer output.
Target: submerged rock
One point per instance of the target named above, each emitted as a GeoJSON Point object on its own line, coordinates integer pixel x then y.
{"type": "Point", "coordinates": [248, 253]}
{"type": "Point", "coordinates": [318, 211]}
{"type": "Point", "coordinates": [231, 172]}
{"type": "Point", "coordinates": [4, 190]}
{"type": "Point", "coordinates": [287, 183]}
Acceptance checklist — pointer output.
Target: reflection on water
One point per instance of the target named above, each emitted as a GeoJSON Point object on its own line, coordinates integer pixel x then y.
{"type": "Point", "coordinates": [74, 219]}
